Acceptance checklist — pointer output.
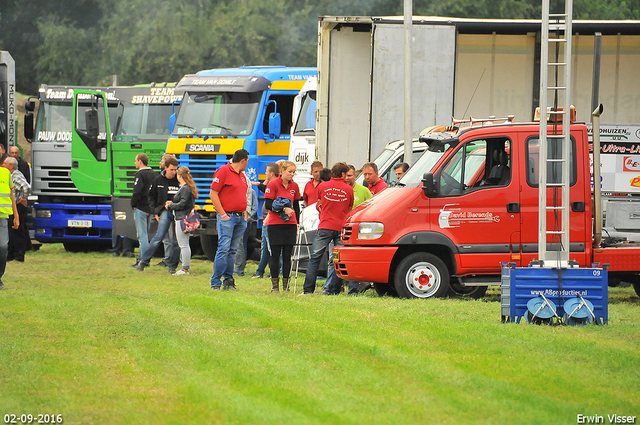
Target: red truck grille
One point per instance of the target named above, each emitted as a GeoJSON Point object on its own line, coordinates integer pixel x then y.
{"type": "Point", "coordinates": [346, 233]}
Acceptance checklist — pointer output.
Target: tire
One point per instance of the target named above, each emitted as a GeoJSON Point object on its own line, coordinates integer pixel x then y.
{"type": "Point", "coordinates": [458, 291]}
{"type": "Point", "coordinates": [421, 275]}
{"type": "Point", "coordinates": [209, 244]}
{"type": "Point", "coordinates": [636, 287]}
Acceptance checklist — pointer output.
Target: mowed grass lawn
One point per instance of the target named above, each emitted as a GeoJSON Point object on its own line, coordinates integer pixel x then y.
{"type": "Point", "coordinates": [88, 337]}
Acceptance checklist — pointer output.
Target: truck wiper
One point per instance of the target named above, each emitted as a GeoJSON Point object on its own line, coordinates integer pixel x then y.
{"type": "Point", "coordinates": [186, 126]}
{"type": "Point", "coordinates": [221, 127]}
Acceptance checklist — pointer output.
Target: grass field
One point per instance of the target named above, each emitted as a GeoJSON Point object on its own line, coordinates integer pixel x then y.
{"type": "Point", "coordinates": [88, 337]}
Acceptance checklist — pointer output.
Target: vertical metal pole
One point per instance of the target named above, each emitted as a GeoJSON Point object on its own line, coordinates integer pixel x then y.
{"type": "Point", "coordinates": [596, 107]}
{"type": "Point", "coordinates": [542, 158]}
{"type": "Point", "coordinates": [408, 137]}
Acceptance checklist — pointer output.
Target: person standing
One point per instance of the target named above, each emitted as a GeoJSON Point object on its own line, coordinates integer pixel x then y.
{"type": "Point", "coordinates": [370, 173]}
{"type": "Point", "coordinates": [272, 172]}
{"type": "Point", "coordinates": [360, 193]}
{"type": "Point", "coordinates": [7, 207]}
{"type": "Point", "coordinates": [163, 189]}
{"type": "Point", "coordinates": [336, 200]}
{"type": "Point", "coordinates": [23, 166]}
{"type": "Point", "coordinates": [229, 197]}
{"type": "Point", "coordinates": [169, 240]}
{"type": "Point", "coordinates": [181, 205]}
{"type": "Point", "coordinates": [282, 198]}
{"type": "Point", "coordinates": [310, 194]}
{"type": "Point", "coordinates": [140, 201]}
{"type": "Point", "coordinates": [19, 239]}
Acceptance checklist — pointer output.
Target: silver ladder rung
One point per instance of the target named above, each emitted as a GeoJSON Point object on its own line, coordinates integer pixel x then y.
{"type": "Point", "coordinates": [556, 88]}
{"type": "Point", "coordinates": [554, 232]}
{"type": "Point", "coordinates": [557, 64]}
{"type": "Point", "coordinates": [557, 15]}
{"type": "Point", "coordinates": [556, 185]}
{"type": "Point", "coordinates": [557, 40]}
{"type": "Point", "coordinates": [555, 208]}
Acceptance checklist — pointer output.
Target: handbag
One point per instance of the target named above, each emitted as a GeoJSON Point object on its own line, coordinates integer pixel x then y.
{"type": "Point", "coordinates": [190, 222]}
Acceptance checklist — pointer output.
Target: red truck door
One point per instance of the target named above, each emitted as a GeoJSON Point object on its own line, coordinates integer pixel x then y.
{"type": "Point", "coordinates": [580, 212]}
{"type": "Point", "coordinates": [477, 206]}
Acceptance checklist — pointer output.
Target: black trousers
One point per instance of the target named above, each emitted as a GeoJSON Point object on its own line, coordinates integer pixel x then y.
{"type": "Point", "coordinates": [19, 240]}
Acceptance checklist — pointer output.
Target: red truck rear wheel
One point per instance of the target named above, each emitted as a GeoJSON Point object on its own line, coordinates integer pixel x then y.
{"type": "Point", "coordinates": [421, 275]}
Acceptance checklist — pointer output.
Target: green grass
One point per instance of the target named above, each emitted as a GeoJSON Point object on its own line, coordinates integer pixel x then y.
{"type": "Point", "coordinates": [88, 337]}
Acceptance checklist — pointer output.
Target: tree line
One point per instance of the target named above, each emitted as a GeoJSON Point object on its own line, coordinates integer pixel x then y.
{"type": "Point", "coordinates": [84, 42]}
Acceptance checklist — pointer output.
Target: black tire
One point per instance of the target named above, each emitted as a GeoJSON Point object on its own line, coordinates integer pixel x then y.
{"type": "Point", "coordinates": [421, 275]}
{"type": "Point", "coordinates": [636, 287]}
{"type": "Point", "coordinates": [209, 244]}
{"type": "Point", "coordinates": [383, 289]}
{"type": "Point", "coordinates": [458, 291]}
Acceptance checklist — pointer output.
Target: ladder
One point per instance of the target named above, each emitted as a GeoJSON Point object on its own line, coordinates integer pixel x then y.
{"type": "Point", "coordinates": [555, 149]}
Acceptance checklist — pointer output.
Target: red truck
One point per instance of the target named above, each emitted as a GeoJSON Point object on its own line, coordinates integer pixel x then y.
{"type": "Point", "coordinates": [447, 231]}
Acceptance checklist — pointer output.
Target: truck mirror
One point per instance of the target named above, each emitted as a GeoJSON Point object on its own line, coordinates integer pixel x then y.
{"type": "Point", "coordinates": [428, 185]}
{"type": "Point", "coordinates": [91, 119]}
{"type": "Point", "coordinates": [30, 105]}
{"type": "Point", "coordinates": [172, 122]}
{"type": "Point", "coordinates": [28, 126]}
{"type": "Point", "coordinates": [274, 125]}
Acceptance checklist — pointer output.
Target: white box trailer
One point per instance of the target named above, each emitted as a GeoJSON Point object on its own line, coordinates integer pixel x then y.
{"type": "Point", "coordinates": [461, 68]}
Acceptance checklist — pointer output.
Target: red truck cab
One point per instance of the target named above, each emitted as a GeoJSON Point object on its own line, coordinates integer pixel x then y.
{"type": "Point", "coordinates": [452, 225]}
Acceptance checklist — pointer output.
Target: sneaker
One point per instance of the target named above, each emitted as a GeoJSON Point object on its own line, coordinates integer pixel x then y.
{"type": "Point", "coordinates": [181, 272]}
{"type": "Point", "coordinates": [256, 276]}
{"type": "Point", "coordinates": [1, 285]}
{"type": "Point", "coordinates": [327, 293]}
{"type": "Point", "coordinates": [127, 254]}
{"type": "Point", "coordinates": [215, 288]}
{"type": "Point", "coordinates": [136, 264]}
{"type": "Point", "coordinates": [229, 285]}
{"type": "Point", "coordinates": [140, 267]}
{"type": "Point", "coordinates": [172, 271]}
{"type": "Point", "coordinates": [162, 263]}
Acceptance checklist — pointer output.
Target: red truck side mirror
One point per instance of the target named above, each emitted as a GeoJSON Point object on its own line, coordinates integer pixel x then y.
{"type": "Point", "coordinates": [429, 185]}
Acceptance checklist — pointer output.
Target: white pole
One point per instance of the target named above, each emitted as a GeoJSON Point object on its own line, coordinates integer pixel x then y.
{"type": "Point", "coordinates": [408, 137]}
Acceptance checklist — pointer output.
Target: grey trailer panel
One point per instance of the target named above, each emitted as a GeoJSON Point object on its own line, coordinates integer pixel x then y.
{"type": "Point", "coordinates": [495, 76]}
{"type": "Point", "coordinates": [349, 88]}
{"type": "Point", "coordinates": [432, 80]}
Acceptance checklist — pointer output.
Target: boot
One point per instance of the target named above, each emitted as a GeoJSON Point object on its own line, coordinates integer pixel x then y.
{"type": "Point", "coordinates": [275, 284]}
{"type": "Point", "coordinates": [285, 284]}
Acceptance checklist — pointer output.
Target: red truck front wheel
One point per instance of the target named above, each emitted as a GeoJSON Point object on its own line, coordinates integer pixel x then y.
{"type": "Point", "coordinates": [422, 275]}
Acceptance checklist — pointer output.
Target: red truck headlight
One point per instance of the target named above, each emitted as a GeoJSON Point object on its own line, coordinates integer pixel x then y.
{"type": "Point", "coordinates": [370, 230]}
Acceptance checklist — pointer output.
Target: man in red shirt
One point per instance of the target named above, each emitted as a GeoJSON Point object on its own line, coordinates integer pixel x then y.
{"type": "Point", "coordinates": [335, 202]}
{"type": "Point", "coordinates": [310, 194]}
{"type": "Point", "coordinates": [370, 174]}
{"type": "Point", "coordinates": [229, 197]}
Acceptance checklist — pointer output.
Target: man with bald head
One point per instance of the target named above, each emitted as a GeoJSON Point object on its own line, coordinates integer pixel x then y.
{"type": "Point", "coordinates": [23, 166]}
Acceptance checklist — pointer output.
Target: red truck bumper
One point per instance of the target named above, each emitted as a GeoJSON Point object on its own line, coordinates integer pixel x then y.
{"type": "Point", "coordinates": [619, 259]}
{"type": "Point", "coordinates": [366, 264]}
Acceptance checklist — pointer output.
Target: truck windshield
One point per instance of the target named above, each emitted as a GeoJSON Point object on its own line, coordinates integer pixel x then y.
{"type": "Point", "coordinates": [54, 120]}
{"type": "Point", "coordinates": [217, 114]}
{"type": "Point", "coordinates": [143, 120]}
{"type": "Point", "coordinates": [413, 176]}
{"type": "Point", "coordinates": [306, 123]}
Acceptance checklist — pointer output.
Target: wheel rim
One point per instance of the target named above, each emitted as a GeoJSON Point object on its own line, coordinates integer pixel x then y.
{"type": "Point", "coordinates": [423, 279]}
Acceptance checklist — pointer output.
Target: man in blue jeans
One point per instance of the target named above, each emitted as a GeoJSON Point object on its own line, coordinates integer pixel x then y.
{"type": "Point", "coordinates": [164, 187]}
{"type": "Point", "coordinates": [334, 202]}
{"type": "Point", "coordinates": [140, 201]}
{"type": "Point", "coordinates": [229, 197]}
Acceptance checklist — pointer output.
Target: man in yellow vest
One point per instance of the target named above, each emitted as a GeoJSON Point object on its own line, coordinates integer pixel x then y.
{"type": "Point", "coordinates": [7, 207]}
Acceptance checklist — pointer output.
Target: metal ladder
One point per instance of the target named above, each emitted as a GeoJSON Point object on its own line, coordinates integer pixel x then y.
{"type": "Point", "coordinates": [555, 149]}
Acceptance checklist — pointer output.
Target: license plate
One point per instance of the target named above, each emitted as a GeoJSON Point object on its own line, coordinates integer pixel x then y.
{"type": "Point", "coordinates": [79, 223]}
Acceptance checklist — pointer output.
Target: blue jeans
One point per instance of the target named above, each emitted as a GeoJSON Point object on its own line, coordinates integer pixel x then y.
{"type": "Point", "coordinates": [4, 245]}
{"type": "Point", "coordinates": [166, 224]}
{"type": "Point", "coordinates": [241, 255]}
{"type": "Point", "coordinates": [265, 252]}
{"type": "Point", "coordinates": [230, 234]}
{"type": "Point", "coordinates": [142, 220]}
{"type": "Point", "coordinates": [322, 240]}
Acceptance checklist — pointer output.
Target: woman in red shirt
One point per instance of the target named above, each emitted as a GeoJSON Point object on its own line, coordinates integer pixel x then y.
{"type": "Point", "coordinates": [282, 199]}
